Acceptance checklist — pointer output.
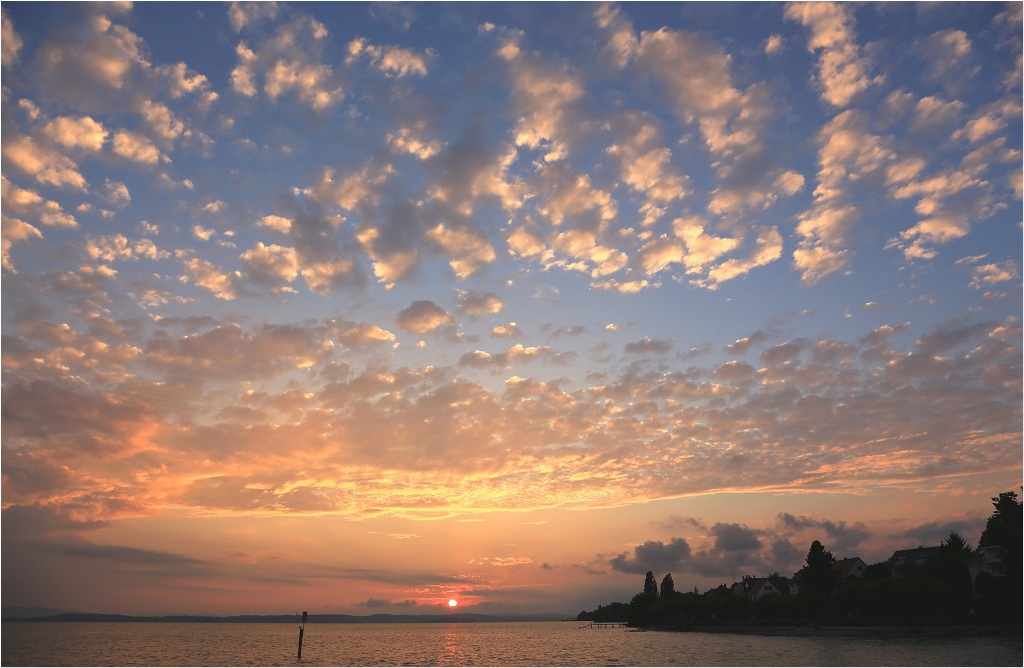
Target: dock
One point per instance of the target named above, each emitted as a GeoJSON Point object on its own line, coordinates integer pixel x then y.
{"type": "Point", "coordinates": [605, 625]}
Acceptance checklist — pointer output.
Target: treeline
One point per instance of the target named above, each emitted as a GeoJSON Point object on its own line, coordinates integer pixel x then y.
{"type": "Point", "coordinates": [940, 591]}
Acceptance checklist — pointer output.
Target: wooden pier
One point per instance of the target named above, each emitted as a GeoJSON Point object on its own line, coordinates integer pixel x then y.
{"type": "Point", "coordinates": [605, 625]}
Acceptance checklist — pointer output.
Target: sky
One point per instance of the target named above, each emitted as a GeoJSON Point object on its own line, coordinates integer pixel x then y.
{"type": "Point", "coordinates": [359, 308]}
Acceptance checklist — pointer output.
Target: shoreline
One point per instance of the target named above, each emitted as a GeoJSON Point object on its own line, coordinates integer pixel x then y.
{"type": "Point", "coordinates": [937, 631]}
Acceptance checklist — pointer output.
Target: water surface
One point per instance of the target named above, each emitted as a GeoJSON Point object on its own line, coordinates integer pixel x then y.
{"type": "Point", "coordinates": [479, 644]}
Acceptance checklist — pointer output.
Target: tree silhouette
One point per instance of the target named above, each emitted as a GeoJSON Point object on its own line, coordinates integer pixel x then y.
{"type": "Point", "coordinates": [668, 587]}
{"type": "Point", "coordinates": [956, 545]}
{"type": "Point", "coordinates": [650, 586]}
{"type": "Point", "coordinates": [1005, 530]}
{"type": "Point", "coordinates": [938, 592]}
{"type": "Point", "coordinates": [954, 553]}
{"type": "Point", "coordinates": [818, 573]}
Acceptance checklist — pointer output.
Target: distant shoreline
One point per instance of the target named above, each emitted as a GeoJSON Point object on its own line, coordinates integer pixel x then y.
{"type": "Point", "coordinates": [924, 631]}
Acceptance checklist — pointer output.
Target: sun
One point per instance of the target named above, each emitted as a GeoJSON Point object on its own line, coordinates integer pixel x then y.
{"type": "Point", "coordinates": [452, 603]}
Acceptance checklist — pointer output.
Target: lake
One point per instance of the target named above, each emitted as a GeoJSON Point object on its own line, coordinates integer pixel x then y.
{"type": "Point", "coordinates": [479, 644]}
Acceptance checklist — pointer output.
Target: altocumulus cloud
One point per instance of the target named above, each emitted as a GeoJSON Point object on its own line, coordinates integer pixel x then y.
{"type": "Point", "coordinates": [186, 245]}
{"type": "Point", "coordinates": [423, 316]}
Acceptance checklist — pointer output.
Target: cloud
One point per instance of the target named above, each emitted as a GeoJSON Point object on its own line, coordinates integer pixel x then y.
{"type": "Point", "coordinates": [843, 72]}
{"type": "Point", "coordinates": [391, 61]}
{"type": "Point", "coordinates": [735, 538]}
{"type": "Point", "coordinates": [501, 562]}
{"type": "Point", "coordinates": [782, 353]}
{"type": "Point", "coordinates": [288, 61]}
{"type": "Point", "coordinates": [30, 204]}
{"type": "Point", "coordinates": [365, 333]}
{"type": "Point", "coordinates": [943, 338]}
{"type": "Point", "coordinates": [77, 133]}
{"type": "Point", "coordinates": [544, 93]}
{"type": "Point", "coordinates": [227, 350]}
{"type": "Point", "coordinates": [277, 223]}
{"type": "Point", "coordinates": [934, 533]}
{"type": "Point", "coordinates": [936, 115]}
{"type": "Point", "coordinates": [35, 519]}
{"type": "Point", "coordinates": [849, 154]}
{"type": "Point", "coordinates": [46, 165]}
{"type": "Point", "coordinates": [696, 75]}
{"type": "Point", "coordinates": [468, 248]}
{"type": "Point", "coordinates": [242, 15]}
{"type": "Point", "coordinates": [701, 248]}
{"type": "Point", "coordinates": [645, 164]}
{"type": "Point", "coordinates": [124, 554]}
{"type": "Point", "coordinates": [568, 197]}
{"type": "Point", "coordinates": [223, 284]}
{"type": "Point", "coordinates": [84, 421]}
{"type": "Point", "coordinates": [946, 55]}
{"type": "Point", "coordinates": [774, 44]}
{"type": "Point", "coordinates": [566, 330]}
{"type": "Point", "coordinates": [423, 316]}
{"type": "Point", "coordinates": [742, 346]}
{"type": "Point", "coordinates": [117, 247]}
{"type": "Point", "coordinates": [163, 123]}
{"type": "Point", "coordinates": [654, 555]}
{"type": "Point", "coordinates": [949, 203]}
{"type": "Point", "coordinates": [648, 345]}
{"type": "Point", "coordinates": [473, 169]}
{"type": "Point", "coordinates": [839, 532]}
{"type": "Point", "coordinates": [134, 146]}
{"type": "Point", "coordinates": [271, 265]}
{"type": "Point", "coordinates": [92, 60]}
{"type": "Point", "coordinates": [736, 372]}
{"type": "Point", "coordinates": [326, 264]}
{"type": "Point", "coordinates": [767, 249]}
{"type": "Point", "coordinates": [511, 330]}
{"type": "Point", "coordinates": [12, 42]}
{"type": "Point", "coordinates": [937, 407]}
{"type": "Point", "coordinates": [622, 42]}
{"type": "Point", "coordinates": [412, 141]}
{"type": "Point", "coordinates": [659, 254]}
{"type": "Point", "coordinates": [987, 275]}
{"type": "Point", "coordinates": [518, 352]}
{"type": "Point", "coordinates": [479, 303]}
{"type": "Point", "coordinates": [536, 167]}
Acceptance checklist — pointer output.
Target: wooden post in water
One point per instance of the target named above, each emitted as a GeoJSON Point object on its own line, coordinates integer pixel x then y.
{"type": "Point", "coordinates": [302, 630]}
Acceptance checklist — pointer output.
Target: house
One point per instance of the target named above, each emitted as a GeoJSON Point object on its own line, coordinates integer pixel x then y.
{"type": "Point", "coordinates": [756, 588]}
{"type": "Point", "coordinates": [849, 567]}
{"type": "Point", "coordinates": [904, 563]}
{"type": "Point", "coordinates": [985, 560]}
{"type": "Point", "coordinates": [852, 567]}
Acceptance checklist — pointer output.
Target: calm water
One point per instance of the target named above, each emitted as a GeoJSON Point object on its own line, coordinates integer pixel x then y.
{"type": "Point", "coordinates": [519, 644]}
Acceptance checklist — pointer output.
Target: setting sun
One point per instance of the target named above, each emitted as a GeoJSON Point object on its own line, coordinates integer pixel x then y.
{"type": "Point", "coordinates": [452, 603]}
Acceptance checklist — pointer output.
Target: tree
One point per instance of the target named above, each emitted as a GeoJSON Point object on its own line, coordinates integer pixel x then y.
{"type": "Point", "coordinates": [1004, 526]}
{"type": "Point", "coordinates": [818, 573]}
{"type": "Point", "coordinates": [650, 586]}
{"type": "Point", "coordinates": [668, 587]}
{"type": "Point", "coordinates": [642, 606]}
{"type": "Point", "coordinates": [954, 553]}
{"type": "Point", "coordinates": [1005, 530]}
{"type": "Point", "coordinates": [956, 545]}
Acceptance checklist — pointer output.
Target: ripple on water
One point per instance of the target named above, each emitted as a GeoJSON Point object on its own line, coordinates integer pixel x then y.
{"type": "Point", "coordinates": [481, 644]}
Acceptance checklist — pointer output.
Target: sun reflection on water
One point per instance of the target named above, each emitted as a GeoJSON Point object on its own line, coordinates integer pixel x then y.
{"type": "Point", "coordinates": [453, 653]}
